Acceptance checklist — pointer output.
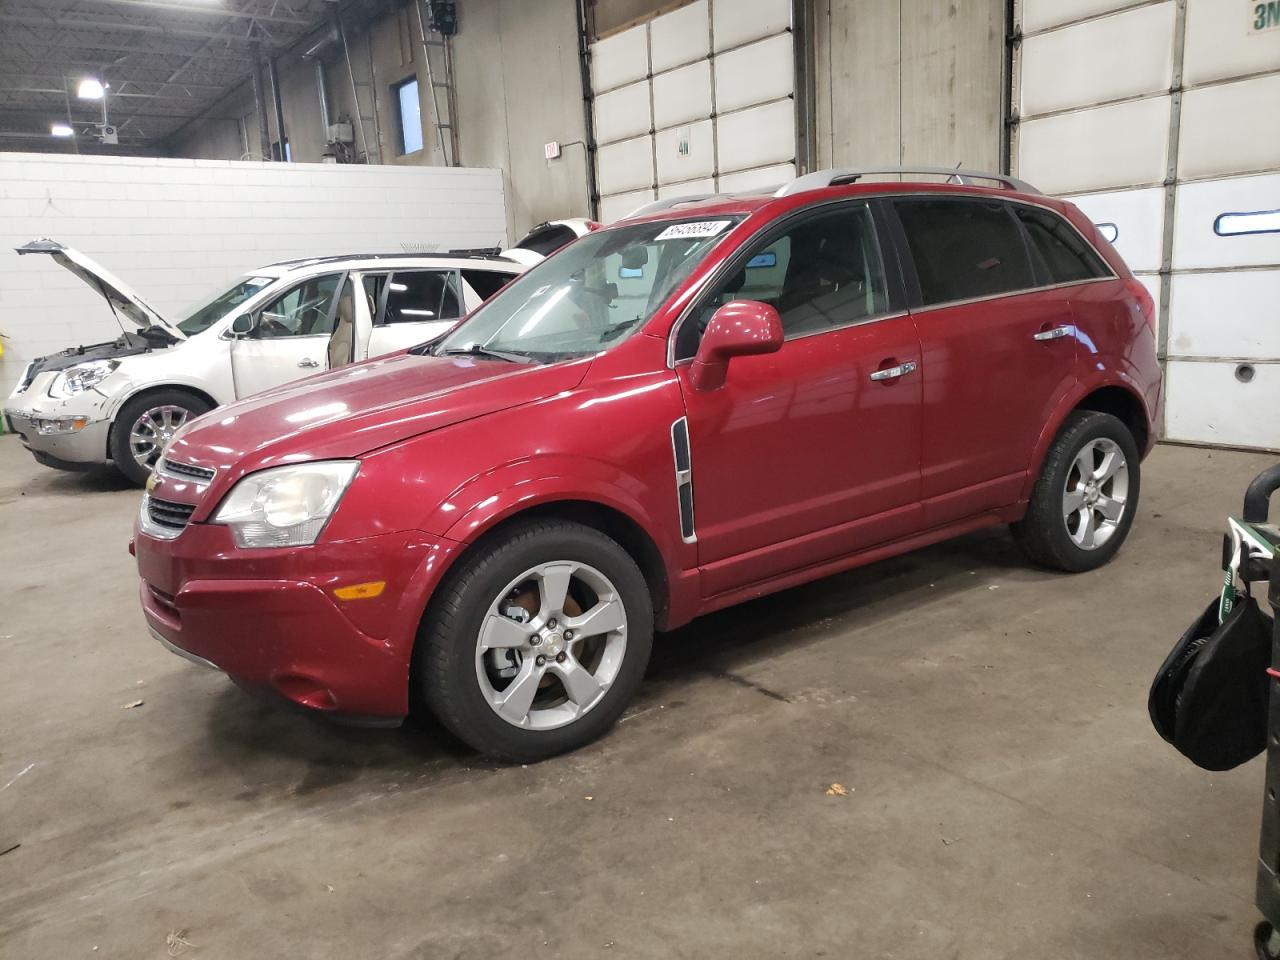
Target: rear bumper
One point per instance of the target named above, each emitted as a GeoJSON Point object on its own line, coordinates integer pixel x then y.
{"type": "Point", "coordinates": [76, 449]}
{"type": "Point", "coordinates": [270, 621]}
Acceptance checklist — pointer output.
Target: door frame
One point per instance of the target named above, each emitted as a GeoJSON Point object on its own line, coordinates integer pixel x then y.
{"type": "Point", "coordinates": [890, 256]}
{"type": "Point", "coordinates": [342, 276]}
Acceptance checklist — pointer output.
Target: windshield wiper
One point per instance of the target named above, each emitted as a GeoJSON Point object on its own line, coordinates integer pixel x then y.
{"type": "Point", "coordinates": [475, 350]}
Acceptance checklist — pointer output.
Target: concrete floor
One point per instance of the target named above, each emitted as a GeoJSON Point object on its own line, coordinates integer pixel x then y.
{"type": "Point", "coordinates": [1008, 797]}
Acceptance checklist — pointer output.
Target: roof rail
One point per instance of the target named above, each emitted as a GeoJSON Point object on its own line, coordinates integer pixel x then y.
{"type": "Point", "coordinates": [827, 178]}
{"type": "Point", "coordinates": [666, 203]}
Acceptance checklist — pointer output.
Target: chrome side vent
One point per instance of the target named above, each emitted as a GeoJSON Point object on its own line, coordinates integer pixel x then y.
{"type": "Point", "coordinates": [684, 478]}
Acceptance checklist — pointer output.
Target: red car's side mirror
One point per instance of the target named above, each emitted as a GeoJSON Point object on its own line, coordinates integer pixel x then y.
{"type": "Point", "coordinates": [738, 329]}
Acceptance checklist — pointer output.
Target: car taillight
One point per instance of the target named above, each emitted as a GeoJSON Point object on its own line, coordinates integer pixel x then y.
{"type": "Point", "coordinates": [1145, 303]}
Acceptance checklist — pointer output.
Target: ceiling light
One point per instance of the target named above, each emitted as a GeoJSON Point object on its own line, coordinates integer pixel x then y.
{"type": "Point", "coordinates": [90, 89]}
{"type": "Point", "coordinates": [61, 130]}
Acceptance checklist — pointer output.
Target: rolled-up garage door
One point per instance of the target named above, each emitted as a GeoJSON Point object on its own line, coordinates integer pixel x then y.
{"type": "Point", "coordinates": [698, 100]}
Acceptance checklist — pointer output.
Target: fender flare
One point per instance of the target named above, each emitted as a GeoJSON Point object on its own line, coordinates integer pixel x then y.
{"type": "Point", "coordinates": [1070, 402]}
{"type": "Point", "coordinates": [118, 402]}
{"type": "Point", "coordinates": [483, 502]}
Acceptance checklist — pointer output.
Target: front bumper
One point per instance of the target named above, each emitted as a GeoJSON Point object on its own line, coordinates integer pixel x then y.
{"type": "Point", "coordinates": [270, 620]}
{"type": "Point", "coordinates": [82, 443]}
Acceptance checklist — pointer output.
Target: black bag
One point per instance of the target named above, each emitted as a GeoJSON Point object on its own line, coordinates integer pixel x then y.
{"type": "Point", "coordinates": [1209, 698]}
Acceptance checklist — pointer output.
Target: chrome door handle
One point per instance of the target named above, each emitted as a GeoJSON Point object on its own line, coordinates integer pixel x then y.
{"type": "Point", "coordinates": [893, 373]}
{"type": "Point", "coordinates": [1057, 333]}
{"type": "Point", "coordinates": [308, 362]}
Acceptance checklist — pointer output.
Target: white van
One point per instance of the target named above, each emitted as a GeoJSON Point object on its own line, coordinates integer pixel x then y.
{"type": "Point", "coordinates": [119, 402]}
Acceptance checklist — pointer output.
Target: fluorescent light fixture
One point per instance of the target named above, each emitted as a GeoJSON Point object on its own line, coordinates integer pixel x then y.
{"type": "Point", "coordinates": [91, 88]}
{"type": "Point", "coordinates": [61, 130]}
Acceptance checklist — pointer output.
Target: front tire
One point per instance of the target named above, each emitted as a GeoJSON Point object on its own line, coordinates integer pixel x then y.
{"type": "Point", "coordinates": [145, 424]}
{"type": "Point", "coordinates": [1083, 504]}
{"type": "Point", "coordinates": [537, 642]}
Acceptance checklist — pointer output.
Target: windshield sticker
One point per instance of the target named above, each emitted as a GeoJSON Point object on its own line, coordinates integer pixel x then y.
{"type": "Point", "coordinates": [258, 281]}
{"type": "Point", "coordinates": [699, 228]}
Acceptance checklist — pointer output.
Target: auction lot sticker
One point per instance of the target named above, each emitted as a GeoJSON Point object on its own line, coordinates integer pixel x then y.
{"type": "Point", "coordinates": [698, 228]}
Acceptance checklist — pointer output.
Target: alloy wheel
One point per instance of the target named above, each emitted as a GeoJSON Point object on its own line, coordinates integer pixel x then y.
{"type": "Point", "coordinates": [551, 644]}
{"type": "Point", "coordinates": [1095, 494]}
{"type": "Point", "coordinates": [153, 430]}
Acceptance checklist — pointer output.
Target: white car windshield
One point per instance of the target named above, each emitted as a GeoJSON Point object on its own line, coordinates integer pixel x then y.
{"type": "Point", "coordinates": [590, 295]}
{"type": "Point", "coordinates": [220, 306]}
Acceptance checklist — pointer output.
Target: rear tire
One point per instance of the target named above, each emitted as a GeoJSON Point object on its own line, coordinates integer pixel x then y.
{"type": "Point", "coordinates": [537, 642]}
{"type": "Point", "coordinates": [144, 425]}
{"type": "Point", "coordinates": [1083, 504]}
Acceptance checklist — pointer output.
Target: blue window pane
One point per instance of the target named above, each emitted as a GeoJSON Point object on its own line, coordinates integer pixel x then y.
{"type": "Point", "coordinates": [410, 117]}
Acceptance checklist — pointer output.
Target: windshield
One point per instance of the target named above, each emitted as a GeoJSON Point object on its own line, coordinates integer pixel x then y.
{"type": "Point", "coordinates": [590, 295]}
{"type": "Point", "coordinates": [218, 308]}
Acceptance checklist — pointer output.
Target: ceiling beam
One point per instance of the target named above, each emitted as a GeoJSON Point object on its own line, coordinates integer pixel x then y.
{"type": "Point", "coordinates": [117, 76]}
{"type": "Point", "coordinates": [14, 45]}
{"type": "Point", "coordinates": [205, 11]}
{"type": "Point", "coordinates": [116, 115]}
{"type": "Point", "coordinates": [63, 23]}
{"type": "Point", "coordinates": [114, 94]}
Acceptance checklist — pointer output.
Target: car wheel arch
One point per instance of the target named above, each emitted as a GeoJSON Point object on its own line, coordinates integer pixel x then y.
{"type": "Point", "coordinates": [154, 388]}
{"type": "Point", "coordinates": [1114, 396]}
{"type": "Point", "coordinates": [610, 519]}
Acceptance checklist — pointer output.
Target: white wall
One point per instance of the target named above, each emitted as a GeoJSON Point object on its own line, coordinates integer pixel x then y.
{"type": "Point", "coordinates": [178, 230]}
{"type": "Point", "coordinates": [1131, 117]}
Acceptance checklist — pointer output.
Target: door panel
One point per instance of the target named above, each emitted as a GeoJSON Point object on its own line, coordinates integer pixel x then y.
{"type": "Point", "coordinates": [259, 365]}
{"type": "Point", "coordinates": [989, 389]}
{"type": "Point", "coordinates": [291, 339]}
{"type": "Point", "coordinates": [416, 306]}
{"type": "Point", "coordinates": [801, 457]}
{"type": "Point", "coordinates": [994, 360]}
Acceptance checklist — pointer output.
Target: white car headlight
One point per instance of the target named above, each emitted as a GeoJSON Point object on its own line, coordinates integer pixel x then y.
{"type": "Point", "coordinates": [285, 506]}
{"type": "Point", "coordinates": [81, 377]}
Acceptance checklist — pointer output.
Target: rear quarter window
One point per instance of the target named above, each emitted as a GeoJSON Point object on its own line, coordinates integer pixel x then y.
{"type": "Point", "coordinates": [1064, 255]}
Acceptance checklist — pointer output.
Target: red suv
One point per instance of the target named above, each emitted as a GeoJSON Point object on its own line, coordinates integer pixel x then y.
{"type": "Point", "coordinates": [707, 402]}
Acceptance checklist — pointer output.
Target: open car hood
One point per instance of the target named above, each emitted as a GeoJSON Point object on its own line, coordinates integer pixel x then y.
{"type": "Point", "coordinates": [546, 238]}
{"type": "Point", "coordinates": [120, 296]}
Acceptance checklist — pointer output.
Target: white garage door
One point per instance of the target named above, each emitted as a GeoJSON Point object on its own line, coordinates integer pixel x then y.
{"type": "Point", "coordinates": [1160, 120]}
{"type": "Point", "coordinates": [698, 100]}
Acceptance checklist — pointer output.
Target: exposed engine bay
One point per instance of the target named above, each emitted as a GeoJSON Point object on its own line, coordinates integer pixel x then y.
{"type": "Point", "coordinates": [125, 345]}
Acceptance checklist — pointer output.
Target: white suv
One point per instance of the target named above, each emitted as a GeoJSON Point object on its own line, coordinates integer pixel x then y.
{"type": "Point", "coordinates": [120, 402]}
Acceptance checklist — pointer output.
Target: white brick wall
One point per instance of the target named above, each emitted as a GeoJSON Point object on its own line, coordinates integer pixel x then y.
{"type": "Point", "coordinates": [179, 230]}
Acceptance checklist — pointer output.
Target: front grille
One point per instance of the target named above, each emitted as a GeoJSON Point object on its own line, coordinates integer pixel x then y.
{"type": "Point", "coordinates": [166, 513]}
{"type": "Point", "coordinates": [204, 474]}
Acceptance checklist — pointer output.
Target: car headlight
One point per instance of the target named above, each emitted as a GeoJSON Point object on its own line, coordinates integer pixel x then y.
{"type": "Point", "coordinates": [81, 377]}
{"type": "Point", "coordinates": [285, 506]}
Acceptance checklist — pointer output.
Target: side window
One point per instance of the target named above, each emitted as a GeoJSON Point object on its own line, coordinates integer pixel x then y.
{"type": "Point", "coordinates": [964, 248]}
{"type": "Point", "coordinates": [304, 311]}
{"type": "Point", "coordinates": [487, 282]}
{"type": "Point", "coordinates": [823, 272]}
{"type": "Point", "coordinates": [422, 296]}
{"type": "Point", "coordinates": [1062, 251]}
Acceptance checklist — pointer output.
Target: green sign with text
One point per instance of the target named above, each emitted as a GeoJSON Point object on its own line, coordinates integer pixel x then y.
{"type": "Point", "coordinates": [1264, 15]}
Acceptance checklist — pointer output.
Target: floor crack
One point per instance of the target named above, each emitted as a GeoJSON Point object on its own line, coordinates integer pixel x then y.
{"type": "Point", "coordinates": [749, 684]}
